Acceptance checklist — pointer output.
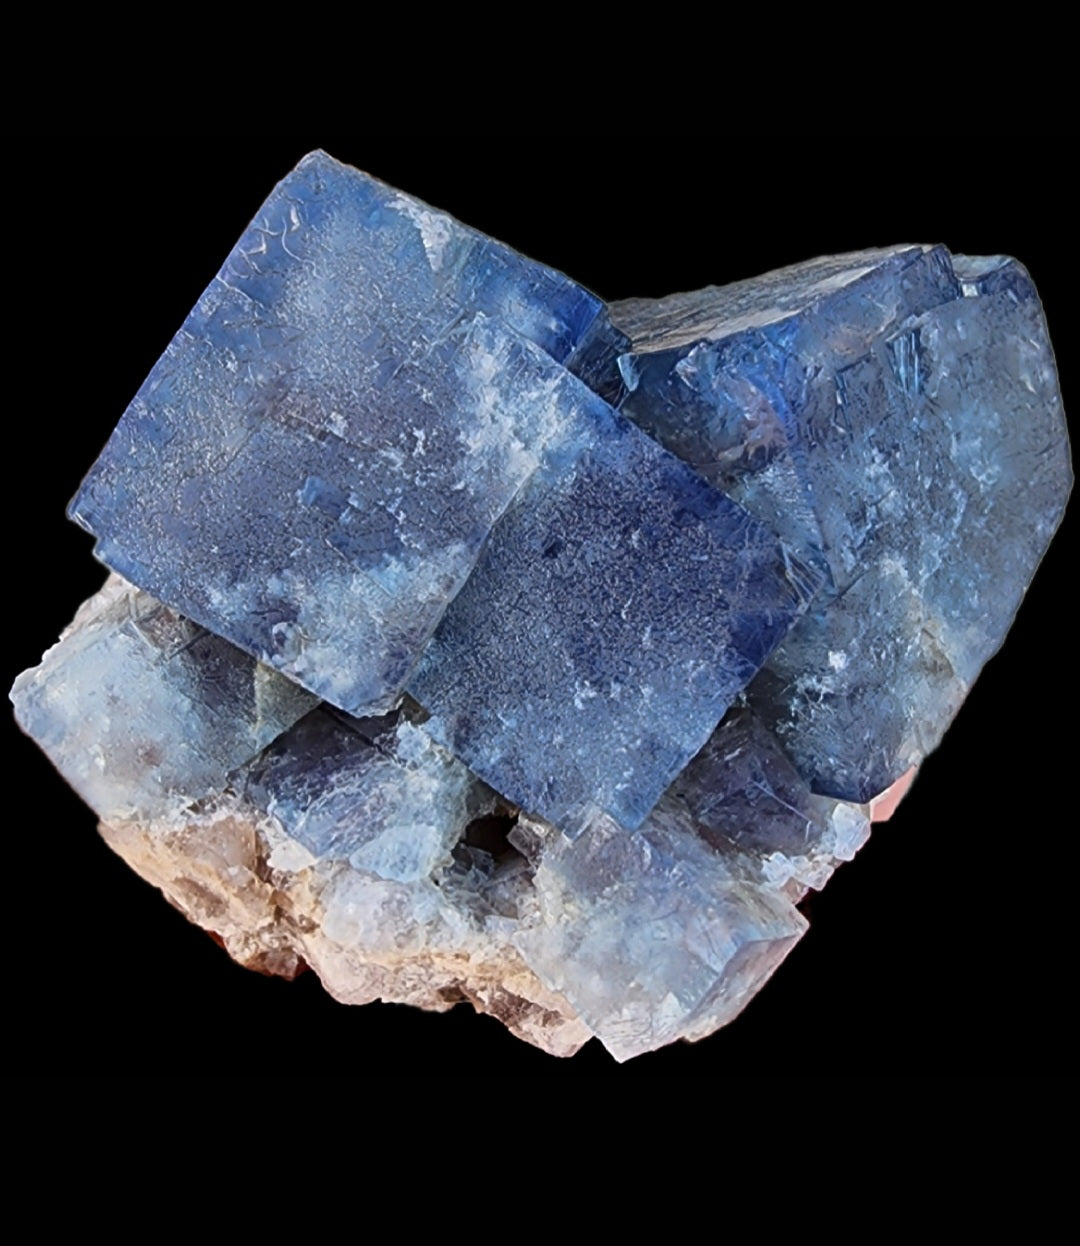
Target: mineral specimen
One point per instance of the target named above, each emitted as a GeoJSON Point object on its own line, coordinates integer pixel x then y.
{"type": "Point", "coordinates": [597, 717]}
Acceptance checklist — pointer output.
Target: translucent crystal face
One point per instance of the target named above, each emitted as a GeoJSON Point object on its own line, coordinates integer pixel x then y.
{"type": "Point", "coordinates": [896, 414]}
{"type": "Point", "coordinates": [634, 609]}
{"type": "Point", "coordinates": [144, 711]}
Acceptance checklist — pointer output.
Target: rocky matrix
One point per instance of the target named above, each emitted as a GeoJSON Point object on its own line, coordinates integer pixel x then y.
{"type": "Point", "coordinates": [468, 639]}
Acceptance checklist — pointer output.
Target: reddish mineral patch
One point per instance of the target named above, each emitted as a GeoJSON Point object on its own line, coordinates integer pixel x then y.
{"type": "Point", "coordinates": [883, 806]}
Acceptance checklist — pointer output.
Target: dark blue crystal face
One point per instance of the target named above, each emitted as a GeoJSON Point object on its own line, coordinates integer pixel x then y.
{"type": "Point", "coordinates": [618, 607]}
{"type": "Point", "coordinates": [375, 793]}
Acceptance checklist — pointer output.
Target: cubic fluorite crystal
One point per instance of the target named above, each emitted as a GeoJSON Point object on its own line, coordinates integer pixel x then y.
{"type": "Point", "coordinates": [896, 416]}
{"type": "Point", "coordinates": [618, 608]}
{"type": "Point", "coordinates": [315, 462]}
{"type": "Point", "coordinates": [624, 619]}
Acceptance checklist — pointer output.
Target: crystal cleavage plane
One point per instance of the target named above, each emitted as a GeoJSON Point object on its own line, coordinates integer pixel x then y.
{"type": "Point", "coordinates": [626, 621]}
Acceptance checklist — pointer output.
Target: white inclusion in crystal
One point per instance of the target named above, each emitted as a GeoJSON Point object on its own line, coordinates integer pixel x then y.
{"type": "Point", "coordinates": [435, 228]}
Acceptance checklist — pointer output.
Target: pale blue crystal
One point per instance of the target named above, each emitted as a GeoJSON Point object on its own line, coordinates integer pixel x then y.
{"type": "Point", "coordinates": [653, 936]}
{"type": "Point", "coordinates": [667, 933]}
{"type": "Point", "coordinates": [142, 711]}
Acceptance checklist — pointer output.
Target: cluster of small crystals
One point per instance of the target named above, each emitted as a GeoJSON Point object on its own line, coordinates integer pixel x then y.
{"type": "Point", "coordinates": [468, 639]}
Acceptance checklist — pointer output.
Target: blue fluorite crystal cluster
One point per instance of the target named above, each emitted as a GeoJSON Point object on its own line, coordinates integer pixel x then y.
{"type": "Point", "coordinates": [468, 638]}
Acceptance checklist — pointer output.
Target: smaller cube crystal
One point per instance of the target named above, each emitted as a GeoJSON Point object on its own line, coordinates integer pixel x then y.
{"type": "Point", "coordinates": [652, 936]}
{"type": "Point", "coordinates": [142, 711]}
{"type": "Point", "coordinates": [374, 792]}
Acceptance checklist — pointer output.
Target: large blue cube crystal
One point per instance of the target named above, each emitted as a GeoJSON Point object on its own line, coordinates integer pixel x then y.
{"type": "Point", "coordinates": [896, 415]}
{"type": "Point", "coordinates": [312, 466]}
{"type": "Point", "coordinates": [728, 377]}
{"type": "Point", "coordinates": [618, 607]}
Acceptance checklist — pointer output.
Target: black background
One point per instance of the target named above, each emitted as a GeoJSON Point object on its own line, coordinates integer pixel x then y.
{"type": "Point", "coordinates": [945, 947]}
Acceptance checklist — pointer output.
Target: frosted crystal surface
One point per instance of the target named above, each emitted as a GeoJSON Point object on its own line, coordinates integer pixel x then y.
{"type": "Point", "coordinates": [613, 616]}
{"type": "Point", "coordinates": [312, 466]}
{"type": "Point", "coordinates": [651, 937]}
